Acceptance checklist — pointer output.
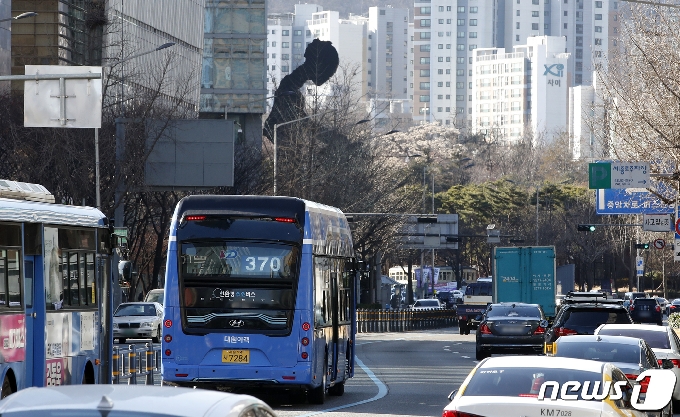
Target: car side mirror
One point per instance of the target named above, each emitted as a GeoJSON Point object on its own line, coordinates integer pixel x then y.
{"type": "Point", "coordinates": [667, 364]}
{"type": "Point", "coordinates": [453, 394]}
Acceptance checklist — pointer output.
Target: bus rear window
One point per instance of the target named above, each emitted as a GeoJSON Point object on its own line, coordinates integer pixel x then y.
{"type": "Point", "coordinates": [238, 260]}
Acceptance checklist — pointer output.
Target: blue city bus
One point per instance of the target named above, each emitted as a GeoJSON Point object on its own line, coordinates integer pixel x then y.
{"type": "Point", "coordinates": [259, 291]}
{"type": "Point", "coordinates": [55, 310]}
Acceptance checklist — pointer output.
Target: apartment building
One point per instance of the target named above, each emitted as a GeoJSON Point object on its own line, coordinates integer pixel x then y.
{"type": "Point", "coordinates": [445, 34]}
{"type": "Point", "coordinates": [388, 52]}
{"type": "Point", "coordinates": [279, 52]}
{"type": "Point", "coordinates": [521, 93]}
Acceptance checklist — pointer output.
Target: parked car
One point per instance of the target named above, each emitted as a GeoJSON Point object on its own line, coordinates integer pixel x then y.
{"type": "Point", "coordinates": [138, 321]}
{"type": "Point", "coordinates": [673, 307]}
{"type": "Point", "coordinates": [584, 318]}
{"type": "Point", "coordinates": [509, 385]}
{"type": "Point", "coordinates": [130, 400]}
{"type": "Point", "coordinates": [510, 327]}
{"type": "Point", "coordinates": [662, 339]}
{"type": "Point", "coordinates": [646, 310]}
{"type": "Point", "coordinates": [629, 296]}
{"type": "Point", "coordinates": [446, 299]}
{"type": "Point", "coordinates": [155, 296]}
{"type": "Point", "coordinates": [426, 303]}
{"type": "Point", "coordinates": [458, 295]}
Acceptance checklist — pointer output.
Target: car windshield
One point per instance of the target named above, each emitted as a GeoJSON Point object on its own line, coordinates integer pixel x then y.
{"type": "Point", "coordinates": [596, 317]}
{"type": "Point", "coordinates": [517, 311]}
{"type": "Point", "coordinates": [135, 310]}
{"type": "Point", "coordinates": [426, 303]}
{"type": "Point", "coordinates": [516, 382]}
{"type": "Point", "coordinates": [655, 339]}
{"type": "Point", "coordinates": [599, 351]}
{"type": "Point", "coordinates": [155, 297]}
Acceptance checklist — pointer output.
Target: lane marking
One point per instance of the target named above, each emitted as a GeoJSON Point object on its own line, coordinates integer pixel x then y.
{"type": "Point", "coordinates": [382, 391]}
{"type": "Point", "coordinates": [463, 356]}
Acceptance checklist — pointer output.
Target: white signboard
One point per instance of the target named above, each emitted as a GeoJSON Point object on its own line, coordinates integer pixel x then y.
{"type": "Point", "coordinates": [640, 266]}
{"type": "Point", "coordinates": [676, 250]}
{"type": "Point", "coordinates": [630, 175]}
{"type": "Point", "coordinates": [657, 222]}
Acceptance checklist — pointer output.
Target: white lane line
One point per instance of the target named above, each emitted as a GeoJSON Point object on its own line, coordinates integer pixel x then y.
{"type": "Point", "coordinates": [382, 391]}
{"type": "Point", "coordinates": [452, 352]}
{"type": "Point", "coordinates": [466, 357]}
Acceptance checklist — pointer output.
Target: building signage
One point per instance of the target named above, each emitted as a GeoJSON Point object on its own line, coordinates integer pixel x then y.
{"type": "Point", "coordinates": [657, 222]}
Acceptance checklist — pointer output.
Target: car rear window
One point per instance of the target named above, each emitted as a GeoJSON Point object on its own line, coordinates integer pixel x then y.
{"type": "Point", "coordinates": [645, 301]}
{"type": "Point", "coordinates": [518, 311]}
{"type": "Point", "coordinates": [599, 351]}
{"type": "Point", "coordinates": [427, 303]}
{"type": "Point", "coordinates": [596, 317]}
{"type": "Point", "coordinates": [524, 382]}
{"type": "Point", "coordinates": [655, 339]}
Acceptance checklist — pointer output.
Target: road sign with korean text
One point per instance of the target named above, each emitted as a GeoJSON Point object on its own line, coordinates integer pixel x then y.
{"type": "Point", "coordinates": [618, 175]}
{"type": "Point", "coordinates": [657, 222]}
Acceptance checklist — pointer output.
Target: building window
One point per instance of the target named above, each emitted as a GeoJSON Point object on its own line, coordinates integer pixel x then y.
{"type": "Point", "coordinates": [440, 59]}
{"type": "Point", "coordinates": [274, 43]}
{"type": "Point", "coordinates": [424, 23]}
{"type": "Point", "coordinates": [448, 59]}
{"type": "Point", "coordinates": [473, 9]}
{"type": "Point", "coordinates": [448, 97]}
{"type": "Point", "coordinates": [460, 60]}
{"type": "Point", "coordinates": [461, 34]}
{"type": "Point", "coordinates": [441, 21]}
{"type": "Point", "coordinates": [423, 10]}
{"type": "Point", "coordinates": [440, 46]}
{"type": "Point", "coordinates": [424, 86]}
{"type": "Point", "coordinates": [440, 97]}
{"type": "Point", "coordinates": [517, 37]}
{"type": "Point", "coordinates": [273, 67]}
{"type": "Point", "coordinates": [440, 71]}
{"type": "Point", "coordinates": [598, 41]}
{"type": "Point", "coordinates": [461, 9]}
{"type": "Point", "coordinates": [473, 34]}
{"type": "Point", "coordinates": [440, 84]}
{"type": "Point", "coordinates": [565, 25]}
{"type": "Point", "coordinates": [534, 26]}
{"type": "Point", "coordinates": [578, 78]}
{"type": "Point", "coordinates": [448, 46]}
{"type": "Point", "coordinates": [534, 1]}
{"type": "Point", "coordinates": [285, 44]}
{"type": "Point", "coordinates": [461, 22]}
{"type": "Point", "coordinates": [297, 45]}
{"type": "Point", "coordinates": [284, 68]}
{"type": "Point", "coordinates": [517, 26]}
{"type": "Point", "coordinates": [472, 46]}
{"type": "Point", "coordinates": [424, 99]}
{"type": "Point", "coordinates": [440, 109]}
{"type": "Point", "coordinates": [598, 4]}
{"type": "Point", "coordinates": [448, 21]}
{"type": "Point", "coordinates": [308, 33]}
{"type": "Point", "coordinates": [448, 8]}
{"type": "Point", "coordinates": [273, 32]}
{"type": "Point", "coordinates": [517, 12]}
{"type": "Point", "coordinates": [460, 73]}
{"type": "Point", "coordinates": [425, 48]}
{"type": "Point", "coordinates": [566, 13]}
{"type": "Point", "coordinates": [441, 8]}
{"type": "Point", "coordinates": [534, 14]}
{"type": "Point", "coordinates": [425, 73]}
{"type": "Point", "coordinates": [285, 56]}
{"type": "Point", "coordinates": [424, 35]}
{"type": "Point", "coordinates": [297, 33]}
{"type": "Point", "coordinates": [598, 17]}
{"type": "Point", "coordinates": [460, 47]}
{"type": "Point", "coordinates": [473, 22]}
{"type": "Point", "coordinates": [460, 97]}
{"type": "Point", "coordinates": [598, 29]}
{"type": "Point", "coordinates": [285, 32]}
{"type": "Point", "coordinates": [424, 60]}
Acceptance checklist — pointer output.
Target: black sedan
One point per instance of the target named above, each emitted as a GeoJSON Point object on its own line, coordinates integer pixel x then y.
{"type": "Point", "coordinates": [646, 310]}
{"type": "Point", "coordinates": [673, 307]}
{"type": "Point", "coordinates": [511, 327]}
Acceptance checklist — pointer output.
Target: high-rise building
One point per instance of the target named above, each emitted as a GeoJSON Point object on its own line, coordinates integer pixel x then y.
{"type": "Point", "coordinates": [234, 64]}
{"type": "Point", "coordinates": [279, 52]}
{"type": "Point", "coordinates": [388, 52]}
{"type": "Point", "coordinates": [522, 93]}
{"type": "Point", "coordinates": [445, 33]}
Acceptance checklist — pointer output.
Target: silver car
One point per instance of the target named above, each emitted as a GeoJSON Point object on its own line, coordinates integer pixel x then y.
{"type": "Point", "coordinates": [662, 339]}
{"type": "Point", "coordinates": [130, 400]}
{"type": "Point", "coordinates": [138, 321]}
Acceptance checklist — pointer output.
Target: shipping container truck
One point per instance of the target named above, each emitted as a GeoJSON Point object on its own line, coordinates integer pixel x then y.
{"type": "Point", "coordinates": [520, 274]}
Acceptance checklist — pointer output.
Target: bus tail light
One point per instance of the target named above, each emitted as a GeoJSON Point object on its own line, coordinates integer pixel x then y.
{"type": "Point", "coordinates": [289, 378]}
{"type": "Point", "coordinates": [305, 341]}
{"type": "Point", "coordinates": [168, 352]}
{"type": "Point", "coordinates": [167, 323]}
{"type": "Point", "coordinates": [181, 375]}
{"type": "Point", "coordinates": [304, 355]}
{"type": "Point", "coordinates": [306, 326]}
{"type": "Point", "coordinates": [167, 338]}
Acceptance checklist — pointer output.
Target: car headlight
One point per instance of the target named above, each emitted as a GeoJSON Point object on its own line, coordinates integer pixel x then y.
{"type": "Point", "coordinates": [146, 324]}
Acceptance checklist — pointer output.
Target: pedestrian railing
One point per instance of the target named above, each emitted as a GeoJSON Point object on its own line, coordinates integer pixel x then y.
{"type": "Point", "coordinates": [404, 320]}
{"type": "Point", "coordinates": [132, 362]}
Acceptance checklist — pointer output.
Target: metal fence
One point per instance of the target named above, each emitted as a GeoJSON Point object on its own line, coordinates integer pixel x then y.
{"type": "Point", "coordinates": [379, 321]}
{"type": "Point", "coordinates": [132, 363]}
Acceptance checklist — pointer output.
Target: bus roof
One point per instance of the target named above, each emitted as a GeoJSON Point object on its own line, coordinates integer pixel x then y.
{"type": "Point", "coordinates": [34, 212]}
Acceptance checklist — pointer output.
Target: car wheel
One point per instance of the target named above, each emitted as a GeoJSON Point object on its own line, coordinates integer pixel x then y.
{"type": "Point", "coordinates": [337, 389]}
{"type": "Point", "coordinates": [6, 388]}
{"type": "Point", "coordinates": [480, 354]}
{"type": "Point", "coordinates": [157, 339]}
{"type": "Point", "coordinates": [318, 395]}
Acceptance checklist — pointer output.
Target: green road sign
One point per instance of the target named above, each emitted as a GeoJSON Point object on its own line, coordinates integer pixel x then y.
{"type": "Point", "coordinates": [600, 175]}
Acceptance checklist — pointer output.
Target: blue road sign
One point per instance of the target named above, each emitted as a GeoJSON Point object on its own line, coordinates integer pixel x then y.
{"type": "Point", "coordinates": [633, 201]}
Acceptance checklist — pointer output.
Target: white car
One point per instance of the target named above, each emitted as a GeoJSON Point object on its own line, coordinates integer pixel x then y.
{"type": "Point", "coordinates": [426, 304]}
{"type": "Point", "coordinates": [662, 339]}
{"type": "Point", "coordinates": [138, 321]}
{"type": "Point", "coordinates": [509, 386]}
{"type": "Point", "coordinates": [458, 294]}
{"type": "Point", "coordinates": [130, 400]}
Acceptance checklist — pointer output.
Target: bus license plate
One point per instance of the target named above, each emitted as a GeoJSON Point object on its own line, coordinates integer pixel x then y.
{"type": "Point", "coordinates": [236, 356]}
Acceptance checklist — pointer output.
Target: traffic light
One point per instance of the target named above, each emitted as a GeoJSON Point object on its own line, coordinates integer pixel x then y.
{"type": "Point", "coordinates": [642, 246]}
{"type": "Point", "coordinates": [586, 227]}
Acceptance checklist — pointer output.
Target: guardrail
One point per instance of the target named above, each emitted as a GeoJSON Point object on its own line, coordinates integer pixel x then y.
{"type": "Point", "coordinates": [131, 362]}
{"type": "Point", "coordinates": [380, 321]}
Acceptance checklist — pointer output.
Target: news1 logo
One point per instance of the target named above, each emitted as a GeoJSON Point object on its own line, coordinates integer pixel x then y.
{"type": "Point", "coordinates": [659, 384]}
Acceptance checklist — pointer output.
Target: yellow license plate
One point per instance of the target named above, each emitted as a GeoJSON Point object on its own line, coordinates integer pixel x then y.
{"type": "Point", "coordinates": [236, 356]}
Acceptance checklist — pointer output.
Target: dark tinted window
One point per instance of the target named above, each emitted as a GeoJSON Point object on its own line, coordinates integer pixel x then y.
{"type": "Point", "coordinates": [645, 301]}
{"type": "Point", "coordinates": [600, 351]}
{"type": "Point", "coordinates": [595, 317]}
{"type": "Point", "coordinates": [478, 288]}
{"type": "Point", "coordinates": [656, 340]}
{"type": "Point", "coordinates": [518, 311]}
{"type": "Point", "coordinates": [513, 382]}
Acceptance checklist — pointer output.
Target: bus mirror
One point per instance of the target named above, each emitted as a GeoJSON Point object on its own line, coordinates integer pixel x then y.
{"type": "Point", "coordinates": [125, 270]}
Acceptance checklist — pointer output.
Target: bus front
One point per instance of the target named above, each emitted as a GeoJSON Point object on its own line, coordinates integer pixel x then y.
{"type": "Point", "coordinates": [231, 288]}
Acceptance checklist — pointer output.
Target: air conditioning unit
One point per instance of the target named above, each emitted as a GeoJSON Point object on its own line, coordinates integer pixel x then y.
{"type": "Point", "coordinates": [25, 191]}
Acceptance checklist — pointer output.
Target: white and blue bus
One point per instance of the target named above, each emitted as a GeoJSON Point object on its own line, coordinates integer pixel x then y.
{"type": "Point", "coordinates": [259, 291]}
{"type": "Point", "coordinates": [55, 310]}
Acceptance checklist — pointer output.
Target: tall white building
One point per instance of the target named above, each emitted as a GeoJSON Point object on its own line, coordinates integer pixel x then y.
{"type": "Point", "coordinates": [587, 122]}
{"type": "Point", "coordinates": [279, 52]}
{"type": "Point", "coordinates": [522, 92]}
{"type": "Point", "coordinates": [445, 33]}
{"type": "Point", "coordinates": [388, 52]}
